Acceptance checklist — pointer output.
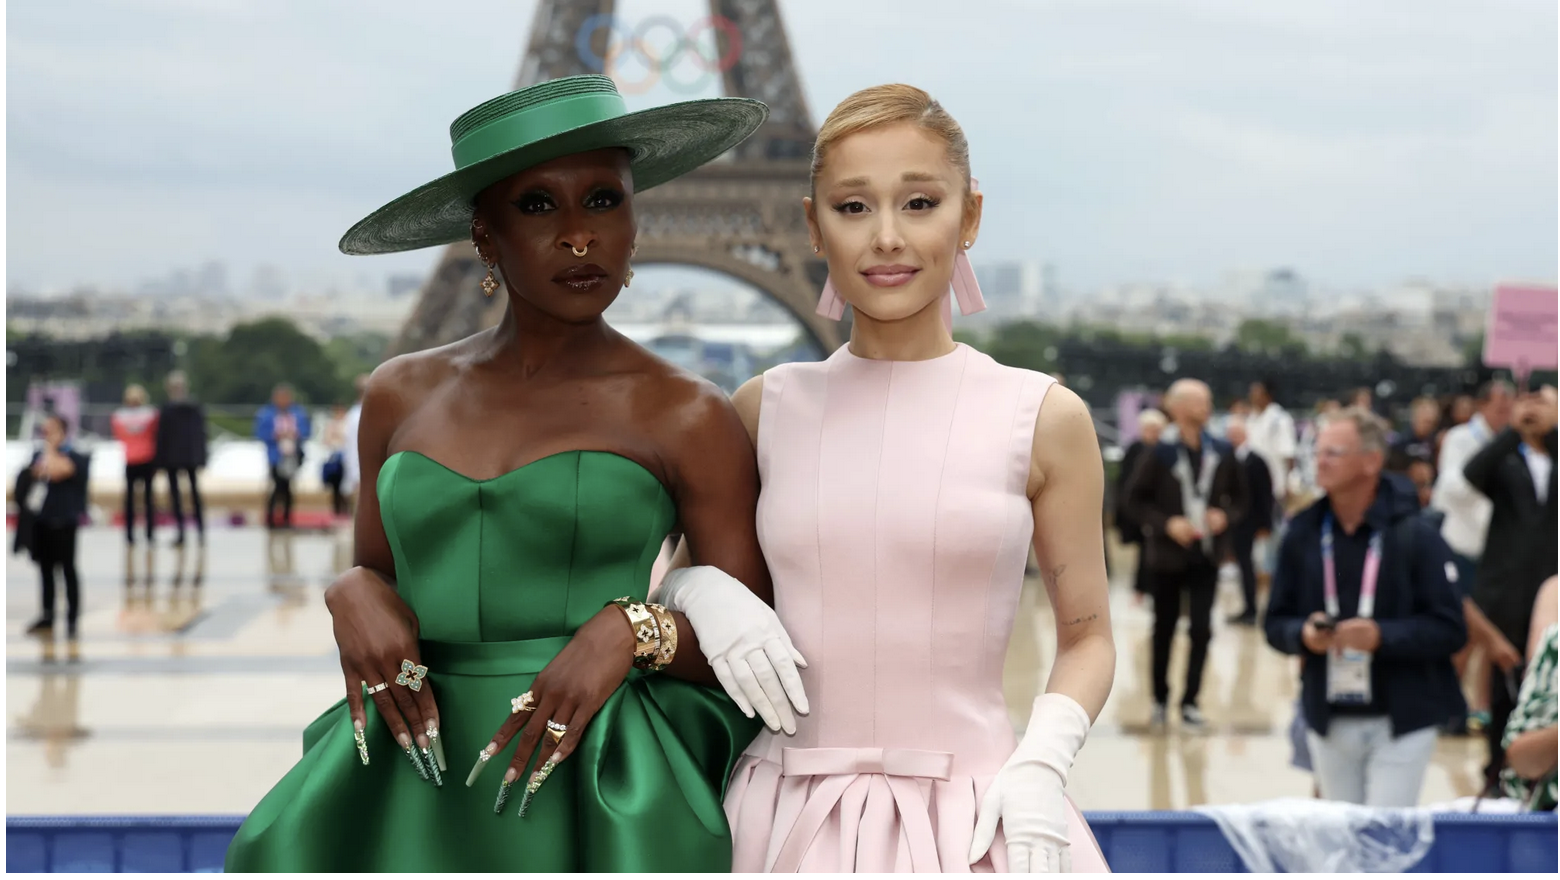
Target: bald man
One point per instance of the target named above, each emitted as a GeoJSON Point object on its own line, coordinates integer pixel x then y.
{"type": "Point", "coordinates": [1186, 493]}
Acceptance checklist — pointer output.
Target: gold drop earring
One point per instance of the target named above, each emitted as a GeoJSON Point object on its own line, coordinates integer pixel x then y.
{"type": "Point", "coordinates": [629, 277]}
{"type": "Point", "coordinates": [490, 283]}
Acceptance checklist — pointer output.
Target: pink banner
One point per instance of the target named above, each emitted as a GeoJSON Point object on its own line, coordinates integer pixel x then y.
{"type": "Point", "coordinates": [1521, 332]}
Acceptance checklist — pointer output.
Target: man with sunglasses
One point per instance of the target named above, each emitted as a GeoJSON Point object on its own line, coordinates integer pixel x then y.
{"type": "Point", "coordinates": [1364, 594]}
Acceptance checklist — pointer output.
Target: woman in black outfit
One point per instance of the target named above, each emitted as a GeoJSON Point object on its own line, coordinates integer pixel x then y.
{"type": "Point", "coordinates": [54, 501]}
{"type": "Point", "coordinates": [181, 448]}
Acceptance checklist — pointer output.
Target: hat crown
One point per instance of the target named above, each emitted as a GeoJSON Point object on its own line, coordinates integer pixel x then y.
{"type": "Point", "coordinates": [529, 97]}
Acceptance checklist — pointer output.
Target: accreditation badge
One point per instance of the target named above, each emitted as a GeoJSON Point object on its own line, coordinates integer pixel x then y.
{"type": "Point", "coordinates": [1348, 677]}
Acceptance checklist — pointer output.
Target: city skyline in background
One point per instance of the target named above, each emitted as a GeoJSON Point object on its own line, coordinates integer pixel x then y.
{"type": "Point", "coordinates": [1209, 143]}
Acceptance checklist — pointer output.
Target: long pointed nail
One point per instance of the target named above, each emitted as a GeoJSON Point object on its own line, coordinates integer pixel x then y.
{"type": "Point", "coordinates": [438, 746]}
{"type": "Point", "coordinates": [503, 796]}
{"type": "Point", "coordinates": [362, 744]}
{"type": "Point", "coordinates": [483, 757]}
{"type": "Point", "coordinates": [433, 768]}
{"type": "Point", "coordinates": [414, 757]}
{"type": "Point", "coordinates": [535, 784]}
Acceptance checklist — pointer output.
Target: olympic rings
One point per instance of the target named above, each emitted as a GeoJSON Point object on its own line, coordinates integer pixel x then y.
{"type": "Point", "coordinates": [623, 43]}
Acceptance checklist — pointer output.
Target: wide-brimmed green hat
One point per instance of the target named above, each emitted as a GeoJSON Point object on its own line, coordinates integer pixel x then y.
{"type": "Point", "coordinates": [540, 123]}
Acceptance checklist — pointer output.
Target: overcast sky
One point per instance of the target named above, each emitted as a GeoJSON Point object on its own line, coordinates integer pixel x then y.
{"type": "Point", "coordinates": [1358, 141]}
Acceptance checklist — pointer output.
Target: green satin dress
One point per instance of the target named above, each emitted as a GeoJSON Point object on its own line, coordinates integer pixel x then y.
{"type": "Point", "coordinates": [500, 572]}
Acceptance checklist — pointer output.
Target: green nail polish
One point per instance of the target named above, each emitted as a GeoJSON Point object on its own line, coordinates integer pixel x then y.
{"type": "Point", "coordinates": [433, 767]}
{"type": "Point", "coordinates": [482, 761]}
{"type": "Point", "coordinates": [438, 748]}
{"type": "Point", "coordinates": [503, 796]}
{"type": "Point", "coordinates": [362, 745]}
{"type": "Point", "coordinates": [411, 754]}
{"type": "Point", "coordinates": [535, 785]}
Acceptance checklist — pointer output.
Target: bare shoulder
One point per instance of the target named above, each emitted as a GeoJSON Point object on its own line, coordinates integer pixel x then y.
{"type": "Point", "coordinates": [680, 404]}
{"type": "Point", "coordinates": [1064, 439]}
{"type": "Point", "coordinates": [399, 385]}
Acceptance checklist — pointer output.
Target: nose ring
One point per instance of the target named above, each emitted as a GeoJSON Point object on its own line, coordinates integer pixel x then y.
{"type": "Point", "coordinates": [580, 252]}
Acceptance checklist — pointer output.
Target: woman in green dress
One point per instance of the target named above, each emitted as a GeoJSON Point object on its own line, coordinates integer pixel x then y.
{"type": "Point", "coordinates": [515, 484]}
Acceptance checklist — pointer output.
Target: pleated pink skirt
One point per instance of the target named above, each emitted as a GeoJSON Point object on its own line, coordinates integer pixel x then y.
{"type": "Point", "coordinates": [894, 821]}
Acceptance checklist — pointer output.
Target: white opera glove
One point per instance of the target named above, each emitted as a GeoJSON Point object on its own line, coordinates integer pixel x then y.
{"type": "Point", "coordinates": [750, 652]}
{"type": "Point", "coordinates": [1028, 793]}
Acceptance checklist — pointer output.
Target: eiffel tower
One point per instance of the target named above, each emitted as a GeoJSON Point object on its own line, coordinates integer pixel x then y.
{"type": "Point", "coordinates": [740, 215]}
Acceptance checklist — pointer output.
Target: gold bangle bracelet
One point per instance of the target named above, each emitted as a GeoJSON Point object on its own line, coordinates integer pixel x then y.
{"type": "Point", "coordinates": [668, 647]}
{"type": "Point", "coordinates": [647, 631]}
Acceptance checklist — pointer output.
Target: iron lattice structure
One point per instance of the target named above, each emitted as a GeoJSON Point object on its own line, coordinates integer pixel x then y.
{"type": "Point", "coordinates": [740, 215]}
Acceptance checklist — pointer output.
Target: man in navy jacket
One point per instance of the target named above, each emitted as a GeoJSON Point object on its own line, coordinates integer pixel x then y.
{"type": "Point", "coordinates": [1377, 681]}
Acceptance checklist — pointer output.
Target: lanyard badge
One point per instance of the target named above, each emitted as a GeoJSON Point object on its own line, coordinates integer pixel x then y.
{"type": "Point", "coordinates": [1348, 669]}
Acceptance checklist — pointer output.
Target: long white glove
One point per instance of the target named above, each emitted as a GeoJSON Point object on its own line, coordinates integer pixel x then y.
{"type": "Point", "coordinates": [1028, 792]}
{"type": "Point", "coordinates": [749, 650]}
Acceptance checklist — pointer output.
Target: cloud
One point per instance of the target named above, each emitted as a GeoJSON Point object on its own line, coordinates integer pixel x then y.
{"type": "Point", "coordinates": [1117, 139]}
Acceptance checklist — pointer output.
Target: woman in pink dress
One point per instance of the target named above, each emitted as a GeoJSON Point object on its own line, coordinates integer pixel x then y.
{"type": "Point", "coordinates": [904, 480]}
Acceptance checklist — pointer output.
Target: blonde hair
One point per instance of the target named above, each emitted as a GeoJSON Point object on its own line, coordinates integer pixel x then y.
{"type": "Point", "coordinates": [135, 395]}
{"type": "Point", "coordinates": [893, 104]}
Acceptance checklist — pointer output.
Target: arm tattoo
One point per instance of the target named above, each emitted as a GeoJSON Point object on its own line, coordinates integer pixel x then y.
{"type": "Point", "coordinates": [1055, 577]}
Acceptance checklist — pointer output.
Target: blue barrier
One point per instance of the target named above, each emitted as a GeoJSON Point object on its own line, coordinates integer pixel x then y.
{"type": "Point", "coordinates": [1132, 842]}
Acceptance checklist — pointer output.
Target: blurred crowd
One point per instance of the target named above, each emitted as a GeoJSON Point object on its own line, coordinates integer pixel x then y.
{"type": "Point", "coordinates": [1410, 568]}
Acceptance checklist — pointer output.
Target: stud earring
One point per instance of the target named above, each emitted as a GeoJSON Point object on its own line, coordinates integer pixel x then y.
{"type": "Point", "coordinates": [490, 283]}
{"type": "Point", "coordinates": [815, 249]}
{"type": "Point", "coordinates": [967, 245]}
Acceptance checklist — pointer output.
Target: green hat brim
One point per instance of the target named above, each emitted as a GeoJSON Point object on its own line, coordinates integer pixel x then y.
{"type": "Point", "coordinates": [664, 143]}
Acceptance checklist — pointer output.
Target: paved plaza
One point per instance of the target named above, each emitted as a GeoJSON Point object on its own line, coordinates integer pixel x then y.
{"type": "Point", "coordinates": [197, 670]}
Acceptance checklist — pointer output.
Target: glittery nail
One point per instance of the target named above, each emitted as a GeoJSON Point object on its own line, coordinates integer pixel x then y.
{"type": "Point", "coordinates": [503, 796]}
{"type": "Point", "coordinates": [535, 785]}
{"type": "Point", "coordinates": [362, 744]}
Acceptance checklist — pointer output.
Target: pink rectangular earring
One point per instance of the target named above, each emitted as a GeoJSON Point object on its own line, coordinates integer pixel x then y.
{"type": "Point", "coordinates": [830, 304]}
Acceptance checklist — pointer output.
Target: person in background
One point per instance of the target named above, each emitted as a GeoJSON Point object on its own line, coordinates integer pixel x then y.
{"type": "Point", "coordinates": [1151, 426]}
{"type": "Point", "coordinates": [1305, 456]}
{"type": "Point", "coordinates": [1419, 443]}
{"type": "Point", "coordinates": [1516, 471]}
{"type": "Point", "coordinates": [1257, 521]}
{"type": "Point", "coordinates": [135, 427]}
{"type": "Point", "coordinates": [1465, 522]}
{"type": "Point", "coordinates": [56, 499]}
{"type": "Point", "coordinates": [283, 425]}
{"type": "Point", "coordinates": [1186, 492]}
{"type": "Point", "coordinates": [1422, 474]}
{"type": "Point", "coordinates": [1271, 435]}
{"type": "Point", "coordinates": [1238, 409]}
{"type": "Point", "coordinates": [1363, 398]}
{"type": "Point", "coordinates": [333, 472]}
{"type": "Point", "coordinates": [181, 449]}
{"type": "Point", "coordinates": [349, 453]}
{"type": "Point", "coordinates": [1362, 593]}
{"type": "Point", "coordinates": [1530, 739]}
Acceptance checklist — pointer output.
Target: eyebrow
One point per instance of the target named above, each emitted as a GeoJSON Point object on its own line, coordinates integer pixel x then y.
{"type": "Point", "coordinates": [907, 177]}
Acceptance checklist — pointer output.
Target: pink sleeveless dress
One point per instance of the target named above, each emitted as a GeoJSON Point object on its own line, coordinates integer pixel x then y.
{"type": "Point", "coordinates": [895, 523]}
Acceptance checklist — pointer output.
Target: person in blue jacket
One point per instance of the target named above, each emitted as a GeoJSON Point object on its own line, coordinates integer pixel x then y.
{"type": "Point", "coordinates": [1365, 593]}
{"type": "Point", "coordinates": [283, 425]}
